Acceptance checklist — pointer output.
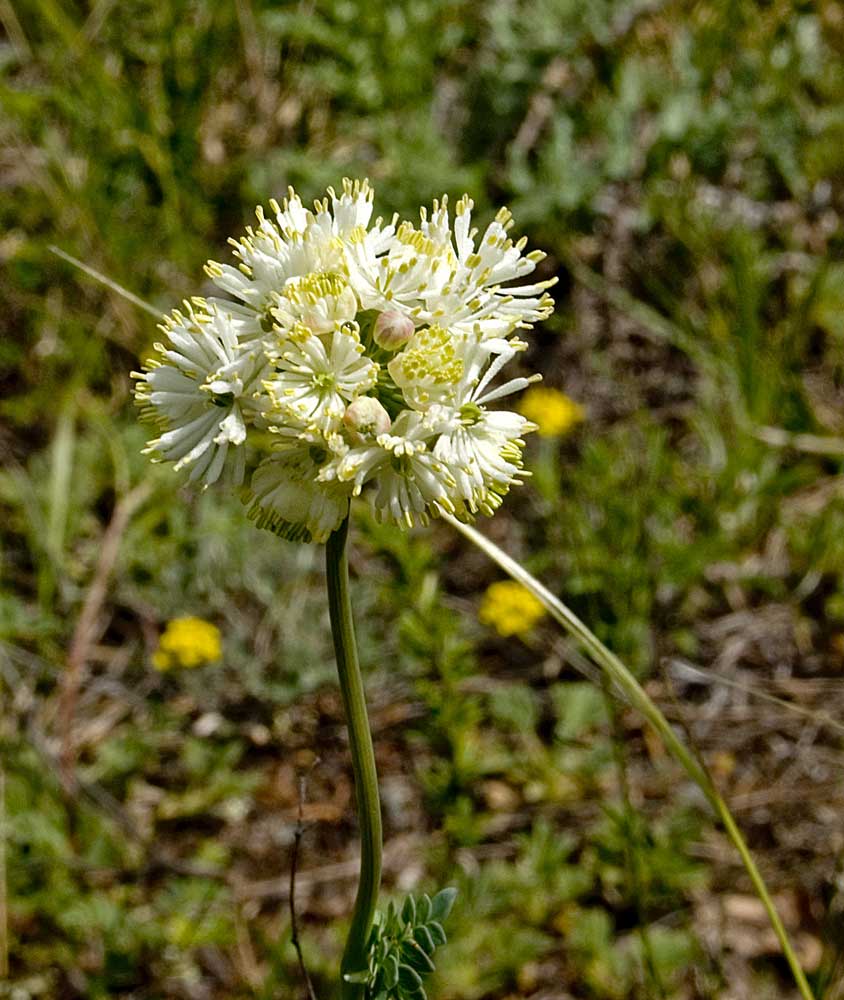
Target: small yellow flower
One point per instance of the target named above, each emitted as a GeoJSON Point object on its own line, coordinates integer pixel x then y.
{"type": "Point", "coordinates": [551, 410]}
{"type": "Point", "coordinates": [510, 608]}
{"type": "Point", "coordinates": [187, 642]}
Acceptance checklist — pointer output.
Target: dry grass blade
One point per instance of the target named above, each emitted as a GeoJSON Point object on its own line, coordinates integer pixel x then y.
{"type": "Point", "coordinates": [103, 280]}
{"type": "Point", "coordinates": [86, 626]}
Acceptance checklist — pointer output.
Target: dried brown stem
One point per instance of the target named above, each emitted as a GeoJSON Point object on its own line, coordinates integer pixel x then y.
{"type": "Point", "coordinates": [85, 632]}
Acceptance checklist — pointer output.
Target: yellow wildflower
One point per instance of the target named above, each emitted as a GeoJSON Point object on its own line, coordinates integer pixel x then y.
{"type": "Point", "coordinates": [551, 410]}
{"type": "Point", "coordinates": [187, 642]}
{"type": "Point", "coordinates": [510, 608]}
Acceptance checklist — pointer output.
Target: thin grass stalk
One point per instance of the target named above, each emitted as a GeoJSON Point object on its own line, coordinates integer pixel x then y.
{"type": "Point", "coordinates": [624, 680]}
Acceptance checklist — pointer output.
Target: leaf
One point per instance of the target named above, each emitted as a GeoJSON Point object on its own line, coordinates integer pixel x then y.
{"type": "Point", "coordinates": [391, 971]}
{"type": "Point", "coordinates": [417, 957]}
{"type": "Point", "coordinates": [442, 904]}
{"type": "Point", "coordinates": [579, 707]}
{"type": "Point", "coordinates": [422, 936]}
{"type": "Point", "coordinates": [408, 911]}
{"type": "Point", "coordinates": [435, 929]}
{"type": "Point", "coordinates": [423, 909]}
{"type": "Point", "coordinates": [409, 978]}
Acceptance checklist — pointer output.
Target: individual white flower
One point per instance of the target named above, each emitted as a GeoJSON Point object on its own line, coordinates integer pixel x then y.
{"type": "Point", "coordinates": [315, 377]}
{"type": "Point", "coordinates": [482, 450]}
{"type": "Point", "coordinates": [199, 390]}
{"type": "Point", "coordinates": [410, 481]}
{"type": "Point", "coordinates": [297, 243]}
{"type": "Point", "coordinates": [486, 271]}
{"type": "Point", "coordinates": [320, 301]}
{"type": "Point", "coordinates": [429, 369]}
{"type": "Point", "coordinates": [287, 497]}
{"type": "Point", "coordinates": [439, 276]}
{"type": "Point", "coordinates": [402, 274]}
{"type": "Point", "coordinates": [439, 366]}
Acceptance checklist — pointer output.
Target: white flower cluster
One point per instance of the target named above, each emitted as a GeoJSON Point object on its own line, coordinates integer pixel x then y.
{"type": "Point", "coordinates": [358, 355]}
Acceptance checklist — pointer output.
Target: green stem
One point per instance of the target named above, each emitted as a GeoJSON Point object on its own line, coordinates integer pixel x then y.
{"type": "Point", "coordinates": [635, 694]}
{"type": "Point", "coordinates": [355, 957]}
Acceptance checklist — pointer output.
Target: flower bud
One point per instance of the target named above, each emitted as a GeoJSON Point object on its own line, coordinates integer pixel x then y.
{"type": "Point", "coordinates": [366, 418]}
{"type": "Point", "coordinates": [392, 330]}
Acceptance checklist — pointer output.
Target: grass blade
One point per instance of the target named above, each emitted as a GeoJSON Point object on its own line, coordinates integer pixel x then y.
{"type": "Point", "coordinates": [103, 280]}
{"type": "Point", "coordinates": [623, 679]}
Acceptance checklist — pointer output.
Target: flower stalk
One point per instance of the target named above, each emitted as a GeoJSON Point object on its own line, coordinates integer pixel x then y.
{"type": "Point", "coordinates": [632, 691]}
{"type": "Point", "coordinates": [363, 760]}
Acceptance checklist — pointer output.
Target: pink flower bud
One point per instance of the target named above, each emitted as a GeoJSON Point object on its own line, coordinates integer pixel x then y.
{"type": "Point", "coordinates": [392, 330]}
{"type": "Point", "coordinates": [366, 418]}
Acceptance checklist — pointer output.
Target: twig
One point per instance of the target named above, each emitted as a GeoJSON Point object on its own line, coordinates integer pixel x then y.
{"type": "Point", "coordinates": [85, 632]}
{"type": "Point", "coordinates": [294, 860]}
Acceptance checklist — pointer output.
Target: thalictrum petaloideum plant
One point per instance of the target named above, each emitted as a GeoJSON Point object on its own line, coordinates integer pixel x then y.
{"type": "Point", "coordinates": [357, 358]}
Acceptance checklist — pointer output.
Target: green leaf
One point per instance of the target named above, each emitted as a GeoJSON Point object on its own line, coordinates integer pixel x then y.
{"type": "Point", "coordinates": [435, 929]}
{"type": "Point", "coordinates": [408, 911]}
{"type": "Point", "coordinates": [422, 936]}
{"type": "Point", "coordinates": [391, 971]}
{"type": "Point", "coordinates": [579, 707]}
{"type": "Point", "coordinates": [442, 904]}
{"type": "Point", "coordinates": [416, 957]}
{"type": "Point", "coordinates": [423, 909]}
{"type": "Point", "coordinates": [409, 978]}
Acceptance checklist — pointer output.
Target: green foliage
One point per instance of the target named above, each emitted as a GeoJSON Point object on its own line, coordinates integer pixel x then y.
{"type": "Point", "coordinates": [402, 946]}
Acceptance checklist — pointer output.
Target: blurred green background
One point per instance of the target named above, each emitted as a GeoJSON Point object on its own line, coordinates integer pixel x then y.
{"type": "Point", "coordinates": [682, 165]}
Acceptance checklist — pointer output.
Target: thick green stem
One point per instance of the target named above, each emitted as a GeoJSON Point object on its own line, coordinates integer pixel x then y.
{"type": "Point", "coordinates": [363, 760]}
{"type": "Point", "coordinates": [627, 684]}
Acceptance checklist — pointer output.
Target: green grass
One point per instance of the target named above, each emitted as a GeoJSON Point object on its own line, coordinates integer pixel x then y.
{"type": "Point", "coordinates": [682, 166]}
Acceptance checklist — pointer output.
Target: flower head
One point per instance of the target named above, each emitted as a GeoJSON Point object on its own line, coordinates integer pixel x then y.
{"type": "Point", "coordinates": [510, 608]}
{"type": "Point", "coordinates": [551, 410]}
{"type": "Point", "coordinates": [187, 642]}
{"type": "Point", "coordinates": [367, 354]}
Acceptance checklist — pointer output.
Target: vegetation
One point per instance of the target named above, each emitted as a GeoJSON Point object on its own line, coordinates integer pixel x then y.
{"type": "Point", "coordinates": [683, 167]}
